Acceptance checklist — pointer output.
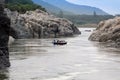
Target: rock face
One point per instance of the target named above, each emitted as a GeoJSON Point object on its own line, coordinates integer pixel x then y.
{"type": "Point", "coordinates": [39, 24]}
{"type": "Point", "coordinates": [4, 37]}
{"type": "Point", "coordinates": [108, 31]}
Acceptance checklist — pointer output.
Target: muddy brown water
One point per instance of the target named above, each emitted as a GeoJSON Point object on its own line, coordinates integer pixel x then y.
{"type": "Point", "coordinates": [80, 59]}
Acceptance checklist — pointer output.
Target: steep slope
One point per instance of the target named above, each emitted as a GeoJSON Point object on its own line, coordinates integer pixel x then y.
{"type": "Point", "coordinates": [50, 8]}
{"type": "Point", "coordinates": [77, 9]}
{"type": "Point", "coordinates": [20, 1]}
{"type": "Point", "coordinates": [22, 5]}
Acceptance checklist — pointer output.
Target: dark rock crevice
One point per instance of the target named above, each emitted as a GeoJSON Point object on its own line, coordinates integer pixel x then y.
{"type": "Point", "coordinates": [4, 37]}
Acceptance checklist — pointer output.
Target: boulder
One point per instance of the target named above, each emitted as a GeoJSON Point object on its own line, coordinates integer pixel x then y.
{"type": "Point", "coordinates": [107, 31]}
{"type": "Point", "coordinates": [39, 24]}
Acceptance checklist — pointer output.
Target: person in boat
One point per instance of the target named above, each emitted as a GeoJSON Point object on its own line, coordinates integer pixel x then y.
{"type": "Point", "coordinates": [54, 41]}
{"type": "Point", "coordinates": [60, 41]}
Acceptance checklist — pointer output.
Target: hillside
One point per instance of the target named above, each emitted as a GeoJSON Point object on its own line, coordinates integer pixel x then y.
{"type": "Point", "coordinates": [73, 8]}
{"type": "Point", "coordinates": [51, 8]}
{"type": "Point", "coordinates": [87, 19]}
{"type": "Point", "coordinates": [22, 5]}
{"type": "Point", "coordinates": [78, 14]}
{"type": "Point", "coordinates": [20, 1]}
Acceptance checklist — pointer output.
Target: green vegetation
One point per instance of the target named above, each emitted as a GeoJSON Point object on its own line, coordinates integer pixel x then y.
{"type": "Point", "coordinates": [84, 19]}
{"type": "Point", "coordinates": [87, 19]}
{"type": "Point", "coordinates": [22, 5]}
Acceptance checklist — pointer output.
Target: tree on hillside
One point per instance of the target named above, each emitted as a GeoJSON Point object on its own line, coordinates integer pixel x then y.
{"type": "Point", "coordinates": [94, 14]}
{"type": "Point", "coordinates": [22, 5]}
{"type": "Point", "coordinates": [61, 14]}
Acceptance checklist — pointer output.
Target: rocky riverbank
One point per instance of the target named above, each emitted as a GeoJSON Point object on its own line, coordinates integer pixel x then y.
{"type": "Point", "coordinates": [39, 24]}
{"type": "Point", "coordinates": [108, 31]}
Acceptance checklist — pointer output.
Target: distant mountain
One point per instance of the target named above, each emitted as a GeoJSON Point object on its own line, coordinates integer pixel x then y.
{"type": "Point", "coordinates": [51, 8]}
{"type": "Point", "coordinates": [73, 8]}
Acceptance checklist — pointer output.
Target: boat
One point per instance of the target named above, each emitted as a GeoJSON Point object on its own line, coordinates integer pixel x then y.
{"type": "Point", "coordinates": [59, 42]}
{"type": "Point", "coordinates": [88, 30]}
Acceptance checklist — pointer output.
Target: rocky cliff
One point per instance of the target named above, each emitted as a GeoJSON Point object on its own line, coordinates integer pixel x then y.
{"type": "Point", "coordinates": [4, 37]}
{"type": "Point", "coordinates": [39, 24]}
{"type": "Point", "coordinates": [108, 31]}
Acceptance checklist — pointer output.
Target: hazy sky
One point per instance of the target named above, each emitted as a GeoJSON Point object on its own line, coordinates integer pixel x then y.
{"type": "Point", "coordinates": [110, 6]}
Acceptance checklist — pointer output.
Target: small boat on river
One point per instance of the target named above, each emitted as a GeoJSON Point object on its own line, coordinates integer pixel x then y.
{"type": "Point", "coordinates": [59, 42]}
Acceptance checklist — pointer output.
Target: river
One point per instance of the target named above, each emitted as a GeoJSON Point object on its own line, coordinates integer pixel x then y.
{"type": "Point", "coordinates": [80, 59]}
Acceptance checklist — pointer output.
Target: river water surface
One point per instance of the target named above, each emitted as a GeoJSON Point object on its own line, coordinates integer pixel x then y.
{"type": "Point", "coordinates": [80, 59]}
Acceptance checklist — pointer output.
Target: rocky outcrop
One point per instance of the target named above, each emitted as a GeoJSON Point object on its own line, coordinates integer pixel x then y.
{"type": "Point", "coordinates": [4, 37]}
{"type": "Point", "coordinates": [39, 24]}
{"type": "Point", "coordinates": [108, 31]}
